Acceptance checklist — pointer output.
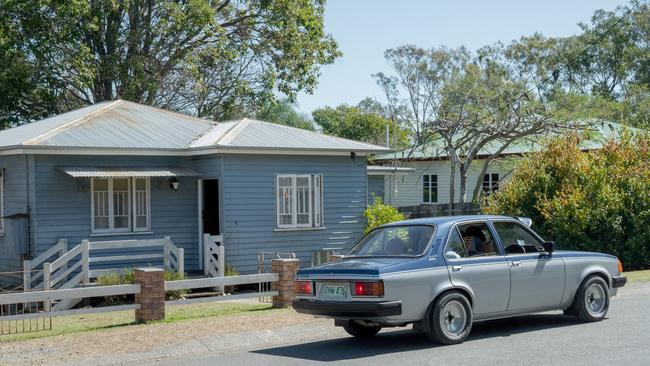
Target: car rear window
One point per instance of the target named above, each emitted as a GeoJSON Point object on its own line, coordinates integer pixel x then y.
{"type": "Point", "coordinates": [394, 241]}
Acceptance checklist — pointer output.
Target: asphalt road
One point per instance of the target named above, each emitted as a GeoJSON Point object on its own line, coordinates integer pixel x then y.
{"type": "Point", "coordinates": [542, 339]}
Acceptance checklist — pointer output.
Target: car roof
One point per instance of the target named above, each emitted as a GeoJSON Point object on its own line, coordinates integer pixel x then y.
{"type": "Point", "coordinates": [448, 220]}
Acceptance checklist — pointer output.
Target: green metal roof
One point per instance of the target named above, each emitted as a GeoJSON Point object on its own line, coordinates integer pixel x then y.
{"type": "Point", "coordinates": [595, 138]}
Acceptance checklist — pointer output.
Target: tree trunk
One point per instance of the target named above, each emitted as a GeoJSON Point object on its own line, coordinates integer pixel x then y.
{"type": "Point", "coordinates": [479, 182]}
{"type": "Point", "coordinates": [452, 183]}
{"type": "Point", "coordinates": [463, 187]}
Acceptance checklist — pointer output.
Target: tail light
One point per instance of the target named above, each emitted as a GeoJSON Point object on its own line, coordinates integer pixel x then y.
{"type": "Point", "coordinates": [620, 267]}
{"type": "Point", "coordinates": [303, 288]}
{"type": "Point", "coordinates": [369, 289]}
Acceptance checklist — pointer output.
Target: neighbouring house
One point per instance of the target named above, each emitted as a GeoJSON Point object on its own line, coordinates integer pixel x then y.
{"type": "Point", "coordinates": [120, 170]}
{"type": "Point", "coordinates": [417, 181]}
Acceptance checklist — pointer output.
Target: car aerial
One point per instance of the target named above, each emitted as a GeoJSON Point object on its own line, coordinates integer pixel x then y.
{"type": "Point", "coordinates": [442, 274]}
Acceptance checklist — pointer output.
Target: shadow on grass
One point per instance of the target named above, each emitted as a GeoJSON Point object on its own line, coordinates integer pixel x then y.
{"type": "Point", "coordinates": [406, 340]}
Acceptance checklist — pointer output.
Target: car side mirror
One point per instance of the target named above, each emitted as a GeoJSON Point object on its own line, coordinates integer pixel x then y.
{"type": "Point", "coordinates": [549, 246]}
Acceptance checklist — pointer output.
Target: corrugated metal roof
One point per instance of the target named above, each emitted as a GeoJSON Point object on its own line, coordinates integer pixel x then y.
{"type": "Point", "coordinates": [595, 138]}
{"type": "Point", "coordinates": [111, 172]}
{"type": "Point", "coordinates": [126, 125]}
{"type": "Point", "coordinates": [258, 134]}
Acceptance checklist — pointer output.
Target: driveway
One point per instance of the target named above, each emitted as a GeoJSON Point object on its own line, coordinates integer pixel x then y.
{"type": "Point", "coordinates": [541, 339]}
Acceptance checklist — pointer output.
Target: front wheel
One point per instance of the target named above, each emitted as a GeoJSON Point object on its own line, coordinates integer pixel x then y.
{"type": "Point", "coordinates": [360, 330]}
{"type": "Point", "coordinates": [592, 300]}
{"type": "Point", "coordinates": [451, 319]}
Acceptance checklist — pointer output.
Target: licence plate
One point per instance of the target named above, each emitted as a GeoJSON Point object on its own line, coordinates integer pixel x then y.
{"type": "Point", "coordinates": [335, 291]}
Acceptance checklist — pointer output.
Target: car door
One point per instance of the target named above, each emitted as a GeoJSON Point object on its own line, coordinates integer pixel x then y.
{"type": "Point", "coordinates": [484, 272]}
{"type": "Point", "coordinates": [537, 279]}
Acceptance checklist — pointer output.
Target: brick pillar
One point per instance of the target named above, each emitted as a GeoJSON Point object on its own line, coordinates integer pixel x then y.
{"type": "Point", "coordinates": [286, 269]}
{"type": "Point", "coordinates": [152, 294]}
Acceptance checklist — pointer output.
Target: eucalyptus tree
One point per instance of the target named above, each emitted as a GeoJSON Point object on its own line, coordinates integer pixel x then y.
{"type": "Point", "coordinates": [468, 103]}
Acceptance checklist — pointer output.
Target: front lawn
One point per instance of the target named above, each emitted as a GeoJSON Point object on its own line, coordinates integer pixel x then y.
{"type": "Point", "coordinates": [66, 325]}
{"type": "Point", "coordinates": [638, 276]}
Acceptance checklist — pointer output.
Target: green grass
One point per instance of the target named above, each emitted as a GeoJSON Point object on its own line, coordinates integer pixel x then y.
{"type": "Point", "coordinates": [67, 325]}
{"type": "Point", "coordinates": [638, 276]}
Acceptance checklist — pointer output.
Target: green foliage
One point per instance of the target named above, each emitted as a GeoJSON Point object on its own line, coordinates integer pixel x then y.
{"type": "Point", "coordinates": [380, 213]}
{"type": "Point", "coordinates": [595, 201]}
{"type": "Point", "coordinates": [353, 123]}
{"type": "Point", "coordinates": [216, 59]}
{"type": "Point", "coordinates": [284, 113]}
{"type": "Point", "coordinates": [230, 271]}
{"type": "Point", "coordinates": [127, 277]}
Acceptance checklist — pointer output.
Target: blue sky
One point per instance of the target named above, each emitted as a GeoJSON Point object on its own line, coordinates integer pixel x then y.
{"type": "Point", "coordinates": [364, 29]}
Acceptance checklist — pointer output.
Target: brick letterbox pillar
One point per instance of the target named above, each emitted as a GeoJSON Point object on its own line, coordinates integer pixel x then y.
{"type": "Point", "coordinates": [152, 294]}
{"type": "Point", "coordinates": [286, 269]}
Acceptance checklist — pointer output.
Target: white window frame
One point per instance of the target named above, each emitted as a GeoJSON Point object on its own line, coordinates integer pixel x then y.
{"type": "Point", "coordinates": [315, 194]}
{"type": "Point", "coordinates": [131, 210]}
{"type": "Point", "coordinates": [430, 190]}
{"type": "Point", "coordinates": [493, 185]}
{"type": "Point", "coordinates": [147, 203]}
{"type": "Point", "coordinates": [2, 201]}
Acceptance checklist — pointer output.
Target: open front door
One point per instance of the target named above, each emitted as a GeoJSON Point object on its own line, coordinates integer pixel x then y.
{"type": "Point", "coordinates": [210, 214]}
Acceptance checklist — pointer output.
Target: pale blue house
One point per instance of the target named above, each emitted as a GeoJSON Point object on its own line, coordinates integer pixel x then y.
{"type": "Point", "coordinates": [118, 170]}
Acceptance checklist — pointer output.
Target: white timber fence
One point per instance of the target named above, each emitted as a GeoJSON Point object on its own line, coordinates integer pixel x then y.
{"type": "Point", "coordinates": [145, 289]}
{"type": "Point", "coordinates": [214, 257]}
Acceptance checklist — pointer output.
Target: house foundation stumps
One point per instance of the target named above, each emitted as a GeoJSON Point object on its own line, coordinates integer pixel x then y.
{"type": "Point", "coordinates": [152, 294]}
{"type": "Point", "coordinates": [286, 270]}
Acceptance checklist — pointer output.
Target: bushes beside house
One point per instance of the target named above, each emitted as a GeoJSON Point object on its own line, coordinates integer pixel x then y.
{"type": "Point", "coordinates": [127, 277]}
{"type": "Point", "coordinates": [379, 213]}
{"type": "Point", "coordinates": [594, 201]}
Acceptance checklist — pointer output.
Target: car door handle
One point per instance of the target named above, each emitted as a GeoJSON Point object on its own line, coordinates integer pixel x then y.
{"type": "Point", "coordinates": [456, 268]}
{"type": "Point", "coordinates": [516, 263]}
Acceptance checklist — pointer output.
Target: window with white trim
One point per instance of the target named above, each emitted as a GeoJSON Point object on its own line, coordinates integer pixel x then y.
{"type": "Point", "coordinates": [299, 200]}
{"type": "Point", "coordinates": [2, 201]}
{"type": "Point", "coordinates": [490, 183]}
{"type": "Point", "coordinates": [120, 204]}
{"type": "Point", "coordinates": [429, 188]}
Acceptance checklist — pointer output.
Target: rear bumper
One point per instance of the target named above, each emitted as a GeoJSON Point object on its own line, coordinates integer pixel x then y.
{"type": "Point", "coordinates": [348, 309]}
{"type": "Point", "coordinates": [619, 281]}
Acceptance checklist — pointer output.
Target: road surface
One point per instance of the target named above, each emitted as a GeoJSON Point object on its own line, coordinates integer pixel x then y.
{"type": "Point", "coordinates": [542, 339]}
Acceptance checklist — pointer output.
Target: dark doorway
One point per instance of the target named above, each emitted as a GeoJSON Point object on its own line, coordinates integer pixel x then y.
{"type": "Point", "coordinates": [211, 207]}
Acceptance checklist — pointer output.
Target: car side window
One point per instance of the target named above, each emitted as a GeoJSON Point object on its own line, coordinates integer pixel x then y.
{"type": "Point", "coordinates": [478, 240]}
{"type": "Point", "coordinates": [516, 239]}
{"type": "Point", "coordinates": [455, 248]}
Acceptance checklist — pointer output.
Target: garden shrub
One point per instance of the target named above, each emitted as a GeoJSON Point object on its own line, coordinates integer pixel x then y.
{"type": "Point", "coordinates": [594, 201]}
{"type": "Point", "coordinates": [379, 213]}
{"type": "Point", "coordinates": [127, 277]}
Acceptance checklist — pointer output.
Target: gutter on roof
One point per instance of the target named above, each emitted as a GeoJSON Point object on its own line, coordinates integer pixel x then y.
{"type": "Point", "coordinates": [61, 150]}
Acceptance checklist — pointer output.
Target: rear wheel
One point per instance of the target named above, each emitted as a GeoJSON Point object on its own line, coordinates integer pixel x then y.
{"type": "Point", "coordinates": [451, 319]}
{"type": "Point", "coordinates": [592, 300]}
{"type": "Point", "coordinates": [360, 330]}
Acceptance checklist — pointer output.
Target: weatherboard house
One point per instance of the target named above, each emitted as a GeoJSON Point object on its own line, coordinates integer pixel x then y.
{"type": "Point", "coordinates": [121, 171]}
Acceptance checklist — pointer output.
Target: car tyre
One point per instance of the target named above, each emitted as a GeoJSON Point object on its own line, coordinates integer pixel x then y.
{"type": "Point", "coordinates": [592, 300]}
{"type": "Point", "coordinates": [359, 330]}
{"type": "Point", "coordinates": [451, 319]}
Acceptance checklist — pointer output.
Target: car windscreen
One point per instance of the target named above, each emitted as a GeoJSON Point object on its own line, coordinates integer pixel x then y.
{"type": "Point", "coordinates": [394, 241]}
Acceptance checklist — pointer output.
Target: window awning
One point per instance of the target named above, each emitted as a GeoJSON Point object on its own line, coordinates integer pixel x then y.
{"type": "Point", "coordinates": [116, 172]}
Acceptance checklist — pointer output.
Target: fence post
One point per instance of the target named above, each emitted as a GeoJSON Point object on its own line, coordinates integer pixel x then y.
{"type": "Point", "coordinates": [85, 261]}
{"type": "Point", "coordinates": [152, 294]}
{"type": "Point", "coordinates": [166, 250]}
{"type": "Point", "coordinates": [206, 253]}
{"type": "Point", "coordinates": [27, 275]}
{"type": "Point", "coordinates": [221, 259]}
{"type": "Point", "coordinates": [286, 269]}
{"type": "Point", "coordinates": [180, 259]}
{"type": "Point", "coordinates": [47, 273]}
{"type": "Point", "coordinates": [63, 248]}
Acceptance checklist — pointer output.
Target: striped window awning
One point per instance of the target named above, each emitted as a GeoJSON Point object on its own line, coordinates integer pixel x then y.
{"type": "Point", "coordinates": [113, 172]}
